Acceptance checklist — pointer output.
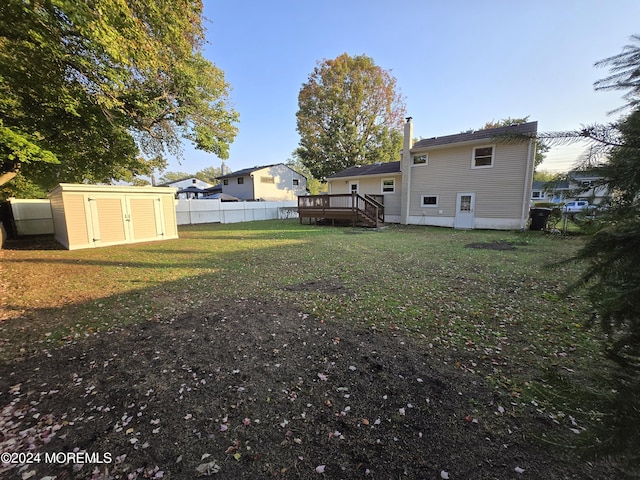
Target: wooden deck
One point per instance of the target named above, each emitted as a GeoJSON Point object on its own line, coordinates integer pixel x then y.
{"type": "Point", "coordinates": [357, 209]}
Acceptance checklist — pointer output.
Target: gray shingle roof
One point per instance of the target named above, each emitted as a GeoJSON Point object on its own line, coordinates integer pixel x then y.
{"type": "Point", "coordinates": [246, 171]}
{"type": "Point", "coordinates": [375, 169]}
{"type": "Point", "coordinates": [473, 135]}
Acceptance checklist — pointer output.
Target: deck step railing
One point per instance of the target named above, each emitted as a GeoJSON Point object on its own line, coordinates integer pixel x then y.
{"type": "Point", "coordinates": [357, 208]}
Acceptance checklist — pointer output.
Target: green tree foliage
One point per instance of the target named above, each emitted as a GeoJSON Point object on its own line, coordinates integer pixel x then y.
{"type": "Point", "coordinates": [174, 176]}
{"type": "Point", "coordinates": [349, 113]}
{"type": "Point", "coordinates": [209, 175]}
{"type": "Point", "coordinates": [612, 256]}
{"type": "Point", "coordinates": [613, 252]}
{"type": "Point", "coordinates": [94, 84]}
{"type": "Point", "coordinates": [625, 72]}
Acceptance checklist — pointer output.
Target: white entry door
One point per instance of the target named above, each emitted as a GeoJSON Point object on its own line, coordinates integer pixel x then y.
{"type": "Point", "coordinates": [465, 207]}
{"type": "Point", "coordinates": [354, 186]}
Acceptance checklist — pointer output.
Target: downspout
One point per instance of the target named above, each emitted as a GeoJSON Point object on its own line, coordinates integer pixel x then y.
{"type": "Point", "coordinates": [528, 178]}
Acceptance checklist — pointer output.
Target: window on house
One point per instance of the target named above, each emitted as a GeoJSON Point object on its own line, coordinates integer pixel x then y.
{"type": "Point", "coordinates": [193, 180]}
{"type": "Point", "coordinates": [240, 180]}
{"type": "Point", "coordinates": [296, 182]}
{"type": "Point", "coordinates": [482, 157]}
{"type": "Point", "coordinates": [587, 183]}
{"type": "Point", "coordinates": [420, 159]}
{"type": "Point", "coordinates": [536, 194]}
{"type": "Point", "coordinates": [267, 180]}
{"type": "Point", "coordinates": [388, 185]}
{"type": "Point", "coordinates": [225, 181]}
{"type": "Point", "coordinates": [429, 200]}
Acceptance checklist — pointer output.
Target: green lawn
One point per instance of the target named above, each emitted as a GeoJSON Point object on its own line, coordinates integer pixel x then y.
{"type": "Point", "coordinates": [500, 313]}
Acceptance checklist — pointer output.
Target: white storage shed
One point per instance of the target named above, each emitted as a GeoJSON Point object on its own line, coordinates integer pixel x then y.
{"type": "Point", "coordinates": [87, 216]}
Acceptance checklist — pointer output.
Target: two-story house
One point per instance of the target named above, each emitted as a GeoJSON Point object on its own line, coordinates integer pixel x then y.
{"type": "Point", "coordinates": [475, 179]}
{"type": "Point", "coordinates": [267, 183]}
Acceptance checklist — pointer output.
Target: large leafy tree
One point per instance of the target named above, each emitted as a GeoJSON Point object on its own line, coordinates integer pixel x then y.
{"type": "Point", "coordinates": [349, 113]}
{"type": "Point", "coordinates": [101, 90]}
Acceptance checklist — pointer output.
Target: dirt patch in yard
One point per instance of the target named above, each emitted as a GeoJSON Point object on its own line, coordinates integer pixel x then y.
{"type": "Point", "coordinates": [259, 389]}
{"type": "Point", "coordinates": [496, 245]}
{"type": "Point", "coordinates": [332, 286]}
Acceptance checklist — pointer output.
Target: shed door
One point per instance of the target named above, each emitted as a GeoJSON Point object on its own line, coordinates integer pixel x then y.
{"type": "Point", "coordinates": [465, 206]}
{"type": "Point", "coordinates": [145, 219]}
{"type": "Point", "coordinates": [107, 225]}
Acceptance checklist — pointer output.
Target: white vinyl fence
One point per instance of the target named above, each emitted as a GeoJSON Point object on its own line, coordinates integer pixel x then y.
{"type": "Point", "coordinates": [194, 211]}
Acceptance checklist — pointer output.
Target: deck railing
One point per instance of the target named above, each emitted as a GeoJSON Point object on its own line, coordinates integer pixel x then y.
{"type": "Point", "coordinates": [352, 206]}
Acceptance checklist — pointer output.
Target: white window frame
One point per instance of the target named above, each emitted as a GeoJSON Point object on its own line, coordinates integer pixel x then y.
{"type": "Point", "coordinates": [393, 186]}
{"type": "Point", "coordinates": [473, 156]}
{"type": "Point", "coordinates": [422, 164]}
{"type": "Point", "coordinates": [422, 197]}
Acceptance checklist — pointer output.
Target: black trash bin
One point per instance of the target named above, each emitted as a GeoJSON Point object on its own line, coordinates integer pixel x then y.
{"type": "Point", "coordinates": [539, 217]}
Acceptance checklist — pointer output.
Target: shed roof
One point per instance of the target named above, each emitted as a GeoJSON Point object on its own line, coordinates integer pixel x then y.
{"type": "Point", "coordinates": [375, 169]}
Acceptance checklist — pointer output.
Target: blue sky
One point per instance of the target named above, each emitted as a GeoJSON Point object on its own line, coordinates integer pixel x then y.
{"type": "Point", "coordinates": [458, 64]}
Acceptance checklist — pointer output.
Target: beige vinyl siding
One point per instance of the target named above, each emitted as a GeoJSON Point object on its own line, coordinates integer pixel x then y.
{"type": "Point", "coordinates": [76, 219]}
{"type": "Point", "coordinates": [110, 227]}
{"type": "Point", "coordinates": [276, 183]}
{"type": "Point", "coordinates": [143, 218]}
{"type": "Point", "coordinates": [499, 190]}
{"type": "Point", "coordinates": [101, 215]}
{"type": "Point", "coordinates": [170, 222]}
{"type": "Point", "coordinates": [59, 223]}
{"type": "Point", "coordinates": [372, 185]}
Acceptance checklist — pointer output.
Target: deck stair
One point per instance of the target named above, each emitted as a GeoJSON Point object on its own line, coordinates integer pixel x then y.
{"type": "Point", "coordinates": [364, 210]}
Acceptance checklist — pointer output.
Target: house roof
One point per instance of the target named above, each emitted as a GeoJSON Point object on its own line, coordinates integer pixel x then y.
{"type": "Point", "coordinates": [246, 171]}
{"type": "Point", "coordinates": [474, 135]}
{"type": "Point", "coordinates": [166, 184]}
{"type": "Point", "coordinates": [375, 169]}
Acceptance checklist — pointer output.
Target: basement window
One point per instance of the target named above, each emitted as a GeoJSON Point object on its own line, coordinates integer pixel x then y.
{"type": "Point", "coordinates": [428, 200]}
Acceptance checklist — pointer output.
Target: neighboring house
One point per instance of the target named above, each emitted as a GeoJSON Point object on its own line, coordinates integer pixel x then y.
{"type": "Point", "coordinates": [190, 187]}
{"type": "Point", "coordinates": [578, 185]}
{"type": "Point", "coordinates": [475, 179]}
{"type": "Point", "coordinates": [549, 192]}
{"type": "Point", "coordinates": [268, 183]}
{"type": "Point", "coordinates": [585, 186]}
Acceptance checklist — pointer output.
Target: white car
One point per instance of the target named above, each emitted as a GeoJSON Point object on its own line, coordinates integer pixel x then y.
{"type": "Point", "coordinates": [576, 206]}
